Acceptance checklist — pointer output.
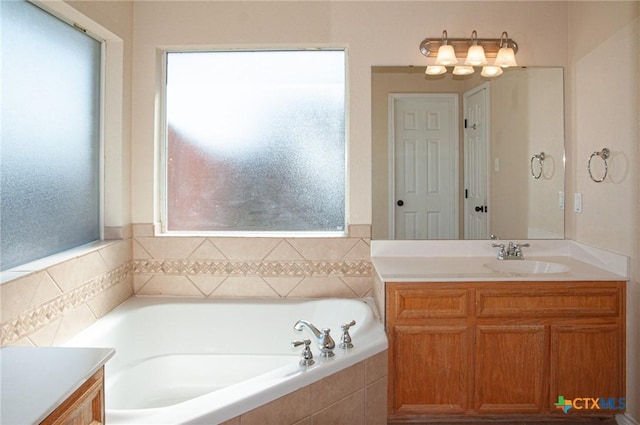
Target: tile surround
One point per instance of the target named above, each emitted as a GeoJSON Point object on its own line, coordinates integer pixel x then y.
{"type": "Point", "coordinates": [356, 396]}
{"type": "Point", "coordinates": [262, 267]}
{"type": "Point", "coordinates": [48, 306]}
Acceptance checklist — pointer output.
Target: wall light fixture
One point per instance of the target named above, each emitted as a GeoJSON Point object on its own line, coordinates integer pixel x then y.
{"type": "Point", "coordinates": [475, 50]}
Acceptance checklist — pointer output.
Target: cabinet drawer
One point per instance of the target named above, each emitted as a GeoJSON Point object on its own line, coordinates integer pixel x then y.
{"type": "Point", "coordinates": [413, 304]}
{"type": "Point", "coordinates": [575, 302]}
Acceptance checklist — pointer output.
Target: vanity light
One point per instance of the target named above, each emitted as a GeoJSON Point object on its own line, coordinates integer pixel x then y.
{"type": "Point", "coordinates": [506, 56]}
{"type": "Point", "coordinates": [435, 70]}
{"type": "Point", "coordinates": [475, 50]}
{"type": "Point", "coordinates": [463, 70]}
{"type": "Point", "coordinates": [475, 54]}
{"type": "Point", "coordinates": [446, 52]}
{"type": "Point", "coordinates": [491, 71]}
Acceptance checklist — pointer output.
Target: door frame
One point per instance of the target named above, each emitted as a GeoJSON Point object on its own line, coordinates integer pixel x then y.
{"type": "Point", "coordinates": [455, 124]}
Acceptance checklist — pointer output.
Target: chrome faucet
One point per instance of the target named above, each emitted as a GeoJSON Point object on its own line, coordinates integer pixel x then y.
{"type": "Point", "coordinates": [511, 252]}
{"type": "Point", "coordinates": [325, 342]}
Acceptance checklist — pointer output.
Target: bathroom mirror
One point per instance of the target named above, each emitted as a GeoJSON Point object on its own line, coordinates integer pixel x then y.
{"type": "Point", "coordinates": [501, 175]}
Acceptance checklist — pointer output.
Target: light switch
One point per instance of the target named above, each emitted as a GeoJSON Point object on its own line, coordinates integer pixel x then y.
{"type": "Point", "coordinates": [577, 202]}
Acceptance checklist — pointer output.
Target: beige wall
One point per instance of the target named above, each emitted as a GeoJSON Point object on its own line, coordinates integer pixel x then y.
{"type": "Point", "coordinates": [603, 92]}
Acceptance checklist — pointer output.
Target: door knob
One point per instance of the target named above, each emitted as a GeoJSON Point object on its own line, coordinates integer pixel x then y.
{"type": "Point", "coordinates": [400, 202]}
{"type": "Point", "coordinates": [481, 208]}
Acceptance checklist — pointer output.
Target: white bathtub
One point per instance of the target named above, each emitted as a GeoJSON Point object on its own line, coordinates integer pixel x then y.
{"type": "Point", "coordinates": [184, 361]}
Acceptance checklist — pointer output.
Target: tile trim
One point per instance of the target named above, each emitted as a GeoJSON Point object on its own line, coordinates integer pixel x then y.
{"type": "Point", "coordinates": [303, 268]}
{"type": "Point", "coordinates": [43, 314]}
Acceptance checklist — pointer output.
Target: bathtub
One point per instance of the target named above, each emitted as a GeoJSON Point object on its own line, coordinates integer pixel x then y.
{"type": "Point", "coordinates": [183, 361]}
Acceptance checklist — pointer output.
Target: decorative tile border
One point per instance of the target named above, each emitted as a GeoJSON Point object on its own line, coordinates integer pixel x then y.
{"type": "Point", "coordinates": [255, 268]}
{"type": "Point", "coordinates": [38, 317]}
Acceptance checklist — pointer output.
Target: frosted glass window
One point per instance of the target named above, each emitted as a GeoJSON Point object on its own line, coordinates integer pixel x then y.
{"type": "Point", "coordinates": [256, 141]}
{"type": "Point", "coordinates": [50, 136]}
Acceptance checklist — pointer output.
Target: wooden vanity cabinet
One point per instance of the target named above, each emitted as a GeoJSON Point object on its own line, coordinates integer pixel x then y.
{"type": "Point", "coordinates": [84, 407]}
{"type": "Point", "coordinates": [493, 348]}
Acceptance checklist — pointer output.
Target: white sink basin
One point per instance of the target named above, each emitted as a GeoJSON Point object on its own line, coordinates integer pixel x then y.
{"type": "Point", "coordinates": [526, 266]}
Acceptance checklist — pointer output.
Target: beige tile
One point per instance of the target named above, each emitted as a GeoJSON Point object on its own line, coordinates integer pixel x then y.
{"type": "Point", "coordinates": [45, 335]}
{"type": "Point", "coordinates": [349, 410]}
{"type": "Point", "coordinates": [283, 285]}
{"type": "Point", "coordinates": [360, 251]}
{"type": "Point", "coordinates": [75, 272]}
{"type": "Point", "coordinates": [328, 249]}
{"type": "Point", "coordinates": [139, 280]}
{"type": "Point", "coordinates": [23, 293]}
{"type": "Point", "coordinates": [375, 403]}
{"type": "Point", "coordinates": [283, 411]}
{"type": "Point", "coordinates": [284, 252]}
{"type": "Point", "coordinates": [336, 387]}
{"type": "Point", "coordinates": [117, 254]}
{"type": "Point", "coordinates": [139, 253]}
{"type": "Point", "coordinates": [112, 233]}
{"type": "Point", "coordinates": [170, 285]}
{"type": "Point", "coordinates": [207, 251]}
{"type": "Point", "coordinates": [73, 321]}
{"type": "Point", "coordinates": [245, 248]}
{"type": "Point", "coordinates": [245, 286]}
{"type": "Point", "coordinates": [109, 299]}
{"type": "Point", "coordinates": [207, 283]}
{"type": "Point", "coordinates": [376, 367]}
{"type": "Point", "coordinates": [321, 287]}
{"type": "Point", "coordinates": [23, 342]}
{"type": "Point", "coordinates": [170, 248]}
{"type": "Point", "coordinates": [359, 285]}
{"type": "Point", "coordinates": [360, 231]}
{"type": "Point", "coordinates": [141, 230]}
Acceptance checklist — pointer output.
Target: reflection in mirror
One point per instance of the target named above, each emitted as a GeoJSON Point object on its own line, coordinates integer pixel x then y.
{"type": "Point", "coordinates": [468, 157]}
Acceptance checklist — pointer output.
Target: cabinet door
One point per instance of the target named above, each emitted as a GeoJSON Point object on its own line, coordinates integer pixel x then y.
{"type": "Point", "coordinates": [587, 361]}
{"type": "Point", "coordinates": [510, 375]}
{"type": "Point", "coordinates": [430, 369]}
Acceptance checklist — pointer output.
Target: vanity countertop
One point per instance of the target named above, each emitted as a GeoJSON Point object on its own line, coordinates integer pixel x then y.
{"type": "Point", "coordinates": [458, 261]}
{"type": "Point", "coordinates": [464, 269]}
{"type": "Point", "coordinates": [36, 380]}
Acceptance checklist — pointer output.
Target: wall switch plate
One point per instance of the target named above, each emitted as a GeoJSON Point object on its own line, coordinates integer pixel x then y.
{"type": "Point", "coordinates": [561, 200]}
{"type": "Point", "coordinates": [577, 202]}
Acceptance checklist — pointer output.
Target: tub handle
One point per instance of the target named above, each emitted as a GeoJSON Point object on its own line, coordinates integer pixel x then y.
{"type": "Point", "coordinates": [345, 340]}
{"type": "Point", "coordinates": [307, 355]}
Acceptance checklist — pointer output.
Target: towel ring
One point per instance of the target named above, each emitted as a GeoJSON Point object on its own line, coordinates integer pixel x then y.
{"type": "Point", "coordinates": [604, 154]}
{"type": "Point", "coordinates": [540, 158]}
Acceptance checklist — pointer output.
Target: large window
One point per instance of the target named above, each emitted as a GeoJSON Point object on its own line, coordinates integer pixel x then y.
{"type": "Point", "coordinates": [50, 135]}
{"type": "Point", "coordinates": [255, 141]}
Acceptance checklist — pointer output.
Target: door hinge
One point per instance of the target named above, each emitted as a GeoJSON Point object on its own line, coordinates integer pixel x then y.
{"type": "Point", "coordinates": [466, 193]}
{"type": "Point", "coordinates": [465, 123]}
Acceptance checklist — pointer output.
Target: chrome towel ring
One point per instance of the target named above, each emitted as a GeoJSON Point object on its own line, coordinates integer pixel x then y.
{"type": "Point", "coordinates": [604, 155]}
{"type": "Point", "coordinates": [540, 159]}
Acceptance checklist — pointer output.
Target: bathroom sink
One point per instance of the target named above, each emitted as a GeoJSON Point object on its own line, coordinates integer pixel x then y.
{"type": "Point", "coordinates": [526, 266]}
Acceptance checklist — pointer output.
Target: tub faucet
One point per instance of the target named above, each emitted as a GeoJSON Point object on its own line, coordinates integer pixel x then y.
{"type": "Point", "coordinates": [325, 342]}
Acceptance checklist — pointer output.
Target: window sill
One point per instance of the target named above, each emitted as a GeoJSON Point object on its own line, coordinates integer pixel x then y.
{"type": "Point", "coordinates": [281, 235]}
{"type": "Point", "coordinates": [52, 260]}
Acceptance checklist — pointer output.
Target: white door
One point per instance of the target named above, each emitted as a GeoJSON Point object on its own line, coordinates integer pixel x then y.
{"type": "Point", "coordinates": [476, 162]}
{"type": "Point", "coordinates": [424, 139]}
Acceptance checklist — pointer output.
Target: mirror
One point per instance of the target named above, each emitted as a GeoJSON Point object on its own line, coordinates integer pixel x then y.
{"type": "Point", "coordinates": [501, 176]}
